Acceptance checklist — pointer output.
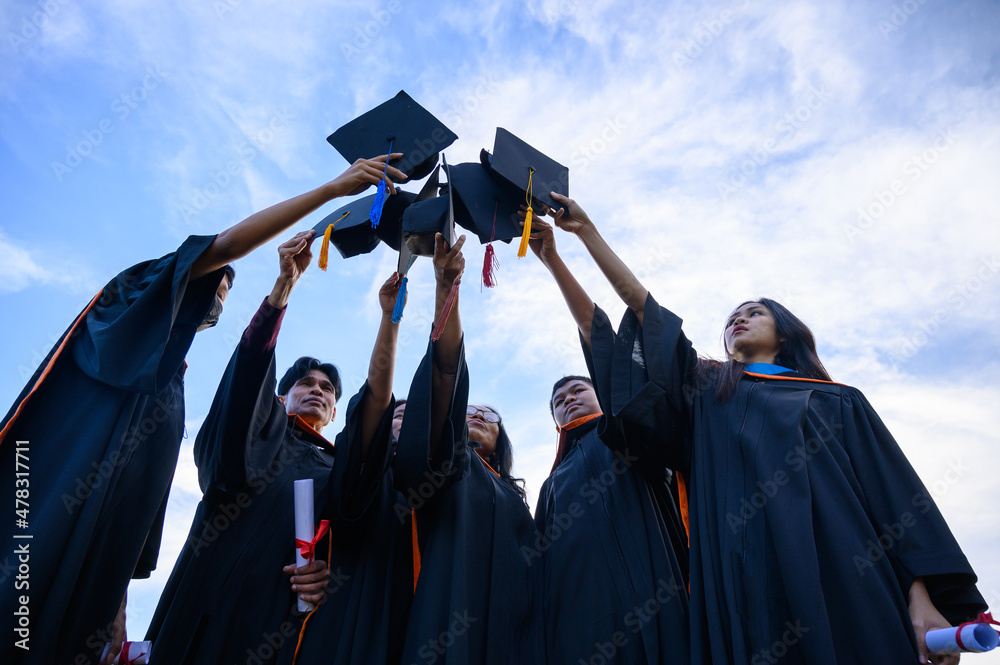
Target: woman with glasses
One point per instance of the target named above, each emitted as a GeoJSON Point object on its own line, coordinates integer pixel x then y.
{"type": "Point", "coordinates": [474, 598]}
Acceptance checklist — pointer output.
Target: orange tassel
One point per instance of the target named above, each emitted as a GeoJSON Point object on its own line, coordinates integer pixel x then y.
{"type": "Point", "coordinates": [324, 250]}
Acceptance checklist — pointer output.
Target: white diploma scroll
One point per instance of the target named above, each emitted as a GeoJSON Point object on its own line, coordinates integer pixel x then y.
{"type": "Point", "coordinates": [134, 653]}
{"type": "Point", "coordinates": [975, 637]}
{"type": "Point", "coordinates": [304, 526]}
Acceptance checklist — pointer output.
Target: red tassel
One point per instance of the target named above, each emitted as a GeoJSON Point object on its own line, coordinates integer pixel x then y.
{"type": "Point", "coordinates": [448, 304]}
{"type": "Point", "coordinates": [490, 265]}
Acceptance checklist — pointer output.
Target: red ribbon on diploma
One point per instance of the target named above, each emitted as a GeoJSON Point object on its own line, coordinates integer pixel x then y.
{"type": "Point", "coordinates": [984, 617]}
{"type": "Point", "coordinates": [123, 655]}
{"type": "Point", "coordinates": [307, 548]}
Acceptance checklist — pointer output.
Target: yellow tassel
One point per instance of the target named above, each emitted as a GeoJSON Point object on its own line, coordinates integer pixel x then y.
{"type": "Point", "coordinates": [523, 249]}
{"type": "Point", "coordinates": [324, 250]}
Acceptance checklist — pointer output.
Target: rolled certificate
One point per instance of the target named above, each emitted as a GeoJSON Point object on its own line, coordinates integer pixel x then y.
{"type": "Point", "coordinates": [132, 653]}
{"type": "Point", "coordinates": [304, 526]}
{"type": "Point", "coordinates": [970, 638]}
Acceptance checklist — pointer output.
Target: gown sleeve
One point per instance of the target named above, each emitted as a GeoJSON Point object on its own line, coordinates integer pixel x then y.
{"type": "Point", "coordinates": [131, 340]}
{"type": "Point", "coordinates": [357, 478]}
{"type": "Point", "coordinates": [643, 377]}
{"type": "Point", "coordinates": [415, 466]}
{"type": "Point", "coordinates": [901, 508]}
{"type": "Point", "coordinates": [245, 426]}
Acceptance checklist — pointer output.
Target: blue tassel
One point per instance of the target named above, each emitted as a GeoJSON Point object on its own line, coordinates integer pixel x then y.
{"type": "Point", "coordinates": [397, 311]}
{"type": "Point", "coordinates": [376, 212]}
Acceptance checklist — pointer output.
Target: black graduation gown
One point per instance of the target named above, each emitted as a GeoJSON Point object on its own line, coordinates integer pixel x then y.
{"type": "Point", "coordinates": [808, 524]}
{"type": "Point", "coordinates": [103, 416]}
{"type": "Point", "coordinates": [363, 621]}
{"type": "Point", "coordinates": [612, 549]}
{"type": "Point", "coordinates": [227, 599]}
{"type": "Point", "coordinates": [476, 600]}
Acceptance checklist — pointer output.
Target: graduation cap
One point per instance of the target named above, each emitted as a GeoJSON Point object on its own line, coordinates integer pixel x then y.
{"type": "Point", "coordinates": [487, 205]}
{"type": "Point", "coordinates": [350, 230]}
{"type": "Point", "coordinates": [433, 212]}
{"type": "Point", "coordinates": [398, 125]}
{"type": "Point", "coordinates": [530, 171]}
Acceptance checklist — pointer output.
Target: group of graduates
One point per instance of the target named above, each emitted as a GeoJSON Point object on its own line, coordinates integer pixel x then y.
{"type": "Point", "coordinates": [697, 511]}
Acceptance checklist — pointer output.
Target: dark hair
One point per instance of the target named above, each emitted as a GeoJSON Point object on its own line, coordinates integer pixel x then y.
{"type": "Point", "coordinates": [797, 352]}
{"type": "Point", "coordinates": [302, 367]}
{"type": "Point", "coordinates": [399, 403]}
{"type": "Point", "coordinates": [503, 459]}
{"type": "Point", "coordinates": [230, 274]}
{"type": "Point", "coordinates": [562, 382]}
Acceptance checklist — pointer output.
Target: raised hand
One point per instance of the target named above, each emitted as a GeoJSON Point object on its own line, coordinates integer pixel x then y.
{"type": "Point", "coordinates": [364, 173]}
{"type": "Point", "coordinates": [294, 256]}
{"type": "Point", "coordinates": [449, 264]}
{"type": "Point", "coordinates": [387, 294]}
{"type": "Point", "coordinates": [570, 217]}
{"type": "Point", "coordinates": [542, 240]}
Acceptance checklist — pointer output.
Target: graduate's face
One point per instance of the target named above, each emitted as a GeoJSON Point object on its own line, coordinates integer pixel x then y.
{"type": "Point", "coordinates": [482, 433]}
{"type": "Point", "coordinates": [397, 420]}
{"type": "Point", "coordinates": [312, 398]}
{"type": "Point", "coordinates": [751, 334]}
{"type": "Point", "coordinates": [573, 400]}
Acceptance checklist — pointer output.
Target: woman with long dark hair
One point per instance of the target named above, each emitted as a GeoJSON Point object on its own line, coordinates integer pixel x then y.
{"type": "Point", "coordinates": [812, 539]}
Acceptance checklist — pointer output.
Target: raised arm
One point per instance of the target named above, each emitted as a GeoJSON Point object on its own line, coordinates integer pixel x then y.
{"type": "Point", "coordinates": [239, 240]}
{"type": "Point", "coordinates": [571, 217]}
{"type": "Point", "coordinates": [449, 264]}
{"type": "Point", "coordinates": [381, 366]}
{"type": "Point", "coordinates": [245, 401]}
{"type": "Point", "coordinates": [581, 306]}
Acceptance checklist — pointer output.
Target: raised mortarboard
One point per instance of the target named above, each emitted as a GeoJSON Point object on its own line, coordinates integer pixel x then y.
{"type": "Point", "coordinates": [350, 230]}
{"type": "Point", "coordinates": [530, 171]}
{"type": "Point", "coordinates": [433, 212]}
{"type": "Point", "coordinates": [398, 125]}
{"type": "Point", "coordinates": [487, 205]}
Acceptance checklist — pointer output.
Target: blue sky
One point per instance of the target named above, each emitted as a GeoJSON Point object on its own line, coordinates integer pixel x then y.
{"type": "Point", "coordinates": [841, 157]}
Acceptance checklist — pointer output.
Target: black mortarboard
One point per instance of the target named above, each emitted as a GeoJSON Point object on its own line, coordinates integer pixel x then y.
{"type": "Point", "coordinates": [352, 232]}
{"type": "Point", "coordinates": [432, 213]}
{"type": "Point", "coordinates": [485, 204]}
{"type": "Point", "coordinates": [398, 125]}
{"type": "Point", "coordinates": [527, 168]}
